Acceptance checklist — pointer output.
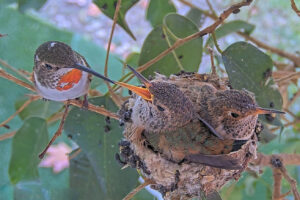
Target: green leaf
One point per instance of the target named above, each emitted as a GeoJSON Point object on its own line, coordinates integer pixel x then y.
{"type": "Point", "coordinates": [266, 135]}
{"type": "Point", "coordinates": [231, 27]}
{"type": "Point", "coordinates": [196, 16]}
{"type": "Point", "coordinates": [250, 68]}
{"type": "Point", "coordinates": [158, 9]}
{"type": "Point", "coordinates": [32, 190]}
{"type": "Point", "coordinates": [87, 130]}
{"type": "Point", "coordinates": [28, 142]}
{"type": "Point", "coordinates": [40, 108]}
{"type": "Point", "coordinates": [26, 4]}
{"type": "Point", "coordinates": [188, 55]}
{"type": "Point", "coordinates": [82, 171]}
{"type": "Point", "coordinates": [108, 8]}
{"type": "Point", "coordinates": [143, 195]}
{"type": "Point", "coordinates": [133, 59]}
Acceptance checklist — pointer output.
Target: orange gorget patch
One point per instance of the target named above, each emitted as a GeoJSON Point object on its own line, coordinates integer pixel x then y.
{"type": "Point", "coordinates": [68, 80]}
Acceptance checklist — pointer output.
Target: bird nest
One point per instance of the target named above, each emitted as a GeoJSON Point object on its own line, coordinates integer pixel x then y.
{"type": "Point", "coordinates": [179, 180]}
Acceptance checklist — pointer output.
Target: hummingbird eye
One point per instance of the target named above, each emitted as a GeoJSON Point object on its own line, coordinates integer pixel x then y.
{"type": "Point", "coordinates": [160, 108]}
{"type": "Point", "coordinates": [49, 67]}
{"type": "Point", "coordinates": [234, 115]}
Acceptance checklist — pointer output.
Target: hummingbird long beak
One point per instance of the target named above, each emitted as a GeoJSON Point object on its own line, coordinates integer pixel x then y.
{"type": "Point", "coordinates": [262, 111]}
{"type": "Point", "coordinates": [143, 92]}
{"type": "Point", "coordinates": [145, 81]}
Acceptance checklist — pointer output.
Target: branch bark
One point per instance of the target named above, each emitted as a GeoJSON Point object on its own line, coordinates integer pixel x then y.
{"type": "Point", "coordinates": [294, 7]}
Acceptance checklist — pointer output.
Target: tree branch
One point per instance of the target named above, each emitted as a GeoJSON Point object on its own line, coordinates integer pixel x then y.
{"type": "Point", "coordinates": [16, 80]}
{"type": "Point", "coordinates": [294, 7]}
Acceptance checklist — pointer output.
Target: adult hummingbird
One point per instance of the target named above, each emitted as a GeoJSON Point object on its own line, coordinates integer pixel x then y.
{"type": "Point", "coordinates": [61, 74]}
{"type": "Point", "coordinates": [57, 72]}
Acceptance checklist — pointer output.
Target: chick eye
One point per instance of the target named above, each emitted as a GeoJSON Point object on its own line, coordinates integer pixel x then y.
{"type": "Point", "coordinates": [160, 108]}
{"type": "Point", "coordinates": [49, 67]}
{"type": "Point", "coordinates": [234, 115]}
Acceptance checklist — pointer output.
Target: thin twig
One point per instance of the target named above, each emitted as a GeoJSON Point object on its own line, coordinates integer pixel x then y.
{"type": "Point", "coordinates": [55, 117]}
{"type": "Point", "coordinates": [58, 132]}
{"type": "Point", "coordinates": [294, 98]}
{"type": "Point", "coordinates": [211, 8]}
{"type": "Point", "coordinates": [205, 12]}
{"type": "Point", "coordinates": [115, 98]}
{"type": "Point", "coordinates": [95, 109]}
{"type": "Point", "coordinates": [213, 67]}
{"type": "Point", "coordinates": [293, 75]}
{"type": "Point", "coordinates": [31, 99]}
{"type": "Point", "coordinates": [294, 7]}
{"type": "Point", "coordinates": [5, 64]}
{"type": "Point", "coordinates": [290, 113]}
{"type": "Point", "coordinates": [296, 121]}
{"type": "Point", "coordinates": [137, 189]}
{"type": "Point", "coordinates": [292, 182]}
{"type": "Point", "coordinates": [16, 80]}
{"type": "Point", "coordinates": [7, 135]}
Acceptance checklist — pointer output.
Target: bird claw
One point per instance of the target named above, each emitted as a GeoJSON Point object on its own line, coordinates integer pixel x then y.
{"type": "Point", "coordinates": [85, 103]}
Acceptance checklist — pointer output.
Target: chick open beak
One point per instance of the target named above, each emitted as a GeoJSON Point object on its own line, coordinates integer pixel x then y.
{"type": "Point", "coordinates": [262, 111]}
{"type": "Point", "coordinates": [143, 92]}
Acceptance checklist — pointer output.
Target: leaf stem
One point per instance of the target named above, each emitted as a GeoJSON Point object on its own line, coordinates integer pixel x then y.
{"type": "Point", "coordinates": [169, 44]}
{"type": "Point", "coordinates": [216, 42]}
{"type": "Point", "coordinates": [115, 98]}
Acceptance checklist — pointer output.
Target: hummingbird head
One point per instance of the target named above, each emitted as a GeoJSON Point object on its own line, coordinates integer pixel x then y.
{"type": "Point", "coordinates": [161, 106]}
{"type": "Point", "coordinates": [56, 54]}
{"type": "Point", "coordinates": [167, 109]}
{"type": "Point", "coordinates": [236, 113]}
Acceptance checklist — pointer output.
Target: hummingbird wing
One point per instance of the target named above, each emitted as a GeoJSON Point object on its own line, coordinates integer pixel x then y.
{"type": "Point", "coordinates": [218, 161]}
{"type": "Point", "coordinates": [210, 128]}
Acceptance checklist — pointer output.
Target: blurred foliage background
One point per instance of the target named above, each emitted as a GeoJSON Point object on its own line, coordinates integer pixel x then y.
{"type": "Point", "coordinates": [94, 173]}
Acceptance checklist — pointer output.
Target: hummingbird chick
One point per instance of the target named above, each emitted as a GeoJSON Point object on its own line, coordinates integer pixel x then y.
{"type": "Point", "coordinates": [234, 113]}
